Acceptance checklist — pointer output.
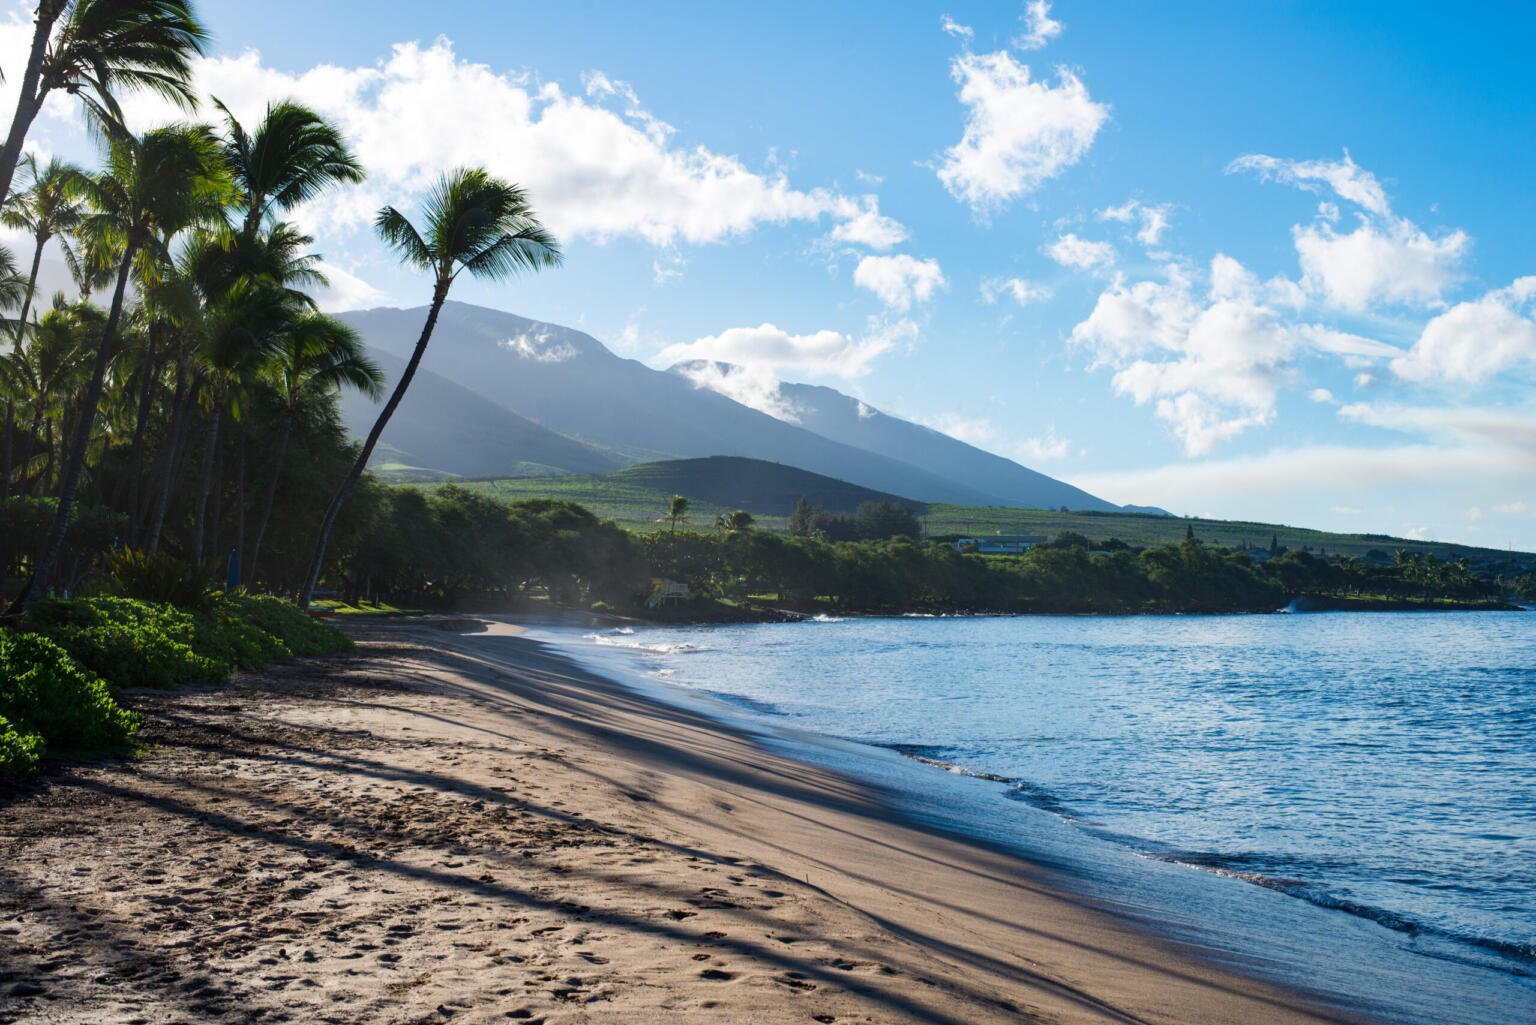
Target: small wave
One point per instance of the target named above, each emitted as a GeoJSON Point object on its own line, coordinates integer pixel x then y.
{"type": "Point", "coordinates": [925, 754]}
{"type": "Point", "coordinates": [1523, 954]}
{"type": "Point", "coordinates": [822, 617]}
{"type": "Point", "coordinates": [681, 648]}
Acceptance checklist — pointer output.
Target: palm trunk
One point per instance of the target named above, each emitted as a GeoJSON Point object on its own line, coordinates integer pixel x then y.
{"type": "Point", "coordinates": [199, 520]}
{"type": "Point", "coordinates": [31, 449]}
{"type": "Point", "coordinates": [10, 430]}
{"type": "Point", "coordinates": [26, 302]}
{"type": "Point", "coordinates": [141, 423]}
{"type": "Point", "coordinates": [170, 453]}
{"type": "Point", "coordinates": [69, 483]}
{"type": "Point", "coordinates": [317, 561]}
{"type": "Point", "coordinates": [216, 510]}
{"type": "Point", "coordinates": [270, 497]}
{"type": "Point", "coordinates": [28, 102]}
{"type": "Point", "coordinates": [240, 494]}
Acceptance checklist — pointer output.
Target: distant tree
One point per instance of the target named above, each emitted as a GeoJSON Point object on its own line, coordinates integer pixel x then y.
{"type": "Point", "coordinates": [734, 522]}
{"type": "Point", "coordinates": [1070, 539]}
{"type": "Point", "coordinates": [885, 518]}
{"type": "Point", "coordinates": [800, 521]}
{"type": "Point", "coordinates": [677, 511]}
{"type": "Point", "coordinates": [1189, 531]}
{"type": "Point", "coordinates": [1274, 544]}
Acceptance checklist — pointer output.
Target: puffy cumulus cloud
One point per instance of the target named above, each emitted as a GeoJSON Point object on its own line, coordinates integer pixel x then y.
{"type": "Point", "coordinates": [1019, 133]}
{"type": "Point", "coordinates": [1151, 220]}
{"type": "Point", "coordinates": [767, 347]}
{"type": "Point", "coordinates": [1210, 361]}
{"type": "Point", "coordinates": [1024, 292]}
{"type": "Point", "coordinates": [1384, 259]}
{"type": "Point", "coordinates": [1081, 253]}
{"type": "Point", "coordinates": [597, 163]}
{"type": "Point", "coordinates": [870, 228]}
{"type": "Point", "coordinates": [1510, 508]}
{"type": "Point", "coordinates": [542, 346]}
{"type": "Point", "coordinates": [1039, 27]}
{"type": "Point", "coordinates": [900, 280]}
{"type": "Point", "coordinates": [1472, 341]}
{"type": "Point", "coordinates": [756, 387]}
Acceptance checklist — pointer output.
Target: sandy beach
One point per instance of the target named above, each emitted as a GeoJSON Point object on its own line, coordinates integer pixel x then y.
{"type": "Point", "coordinates": [458, 824]}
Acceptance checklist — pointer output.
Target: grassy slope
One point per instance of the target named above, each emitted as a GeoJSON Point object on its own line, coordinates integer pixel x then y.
{"type": "Point", "coordinates": [637, 498]}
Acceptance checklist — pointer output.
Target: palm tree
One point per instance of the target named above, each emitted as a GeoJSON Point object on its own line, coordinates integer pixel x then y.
{"type": "Point", "coordinates": [317, 354]}
{"type": "Point", "coordinates": [293, 155]}
{"type": "Point", "coordinates": [100, 49]}
{"type": "Point", "coordinates": [476, 223]}
{"type": "Point", "coordinates": [677, 511]}
{"type": "Point", "coordinates": [150, 188]}
{"type": "Point", "coordinates": [49, 206]}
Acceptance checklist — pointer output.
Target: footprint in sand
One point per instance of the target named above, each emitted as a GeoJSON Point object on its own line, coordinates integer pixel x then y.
{"type": "Point", "coordinates": [716, 975]}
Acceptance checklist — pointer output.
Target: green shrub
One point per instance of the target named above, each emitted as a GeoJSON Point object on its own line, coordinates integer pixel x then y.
{"type": "Point", "coordinates": [222, 635]}
{"type": "Point", "coordinates": [284, 620]}
{"type": "Point", "coordinates": [20, 748]}
{"type": "Point", "coordinates": [41, 686]}
{"type": "Point", "coordinates": [132, 643]}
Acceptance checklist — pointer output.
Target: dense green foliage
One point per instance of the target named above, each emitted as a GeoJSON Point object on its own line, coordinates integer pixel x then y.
{"type": "Point", "coordinates": [43, 691]}
{"type": "Point", "coordinates": [297, 632]}
{"type": "Point", "coordinates": [20, 748]}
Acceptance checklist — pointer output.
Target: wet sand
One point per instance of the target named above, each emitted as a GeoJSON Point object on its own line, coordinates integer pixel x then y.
{"type": "Point", "coordinates": [458, 824]}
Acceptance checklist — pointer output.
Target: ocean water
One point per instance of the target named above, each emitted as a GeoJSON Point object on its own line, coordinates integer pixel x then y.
{"type": "Point", "coordinates": [1347, 800]}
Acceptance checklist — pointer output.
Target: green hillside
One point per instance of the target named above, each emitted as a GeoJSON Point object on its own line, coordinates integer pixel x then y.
{"type": "Point", "coordinates": [637, 498]}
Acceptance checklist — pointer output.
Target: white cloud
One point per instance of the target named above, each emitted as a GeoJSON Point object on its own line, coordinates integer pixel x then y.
{"type": "Point", "coordinates": [1514, 508]}
{"type": "Point", "coordinates": [870, 228]}
{"type": "Point", "coordinates": [772, 348]}
{"type": "Point", "coordinates": [1385, 259]}
{"type": "Point", "coordinates": [1513, 430]}
{"type": "Point", "coordinates": [1322, 395]}
{"type": "Point", "coordinates": [1019, 133]}
{"type": "Point", "coordinates": [540, 347]}
{"type": "Point", "coordinates": [1039, 27]}
{"type": "Point", "coordinates": [1345, 510]}
{"type": "Point", "coordinates": [1475, 513]}
{"type": "Point", "coordinates": [1153, 221]}
{"type": "Point", "coordinates": [1080, 253]}
{"type": "Point", "coordinates": [756, 387]}
{"type": "Point", "coordinates": [1474, 340]}
{"type": "Point", "coordinates": [973, 430]}
{"type": "Point", "coordinates": [345, 291]}
{"type": "Point", "coordinates": [1023, 292]}
{"type": "Point", "coordinates": [1047, 446]}
{"type": "Point", "coordinates": [956, 29]}
{"type": "Point", "coordinates": [598, 165]}
{"type": "Point", "coordinates": [900, 280]}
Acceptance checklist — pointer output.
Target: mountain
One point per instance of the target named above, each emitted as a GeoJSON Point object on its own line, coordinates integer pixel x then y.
{"type": "Point", "coordinates": [444, 428]}
{"type": "Point", "coordinates": [568, 382]}
{"type": "Point", "coordinates": [843, 418]}
{"type": "Point", "coordinates": [763, 488]}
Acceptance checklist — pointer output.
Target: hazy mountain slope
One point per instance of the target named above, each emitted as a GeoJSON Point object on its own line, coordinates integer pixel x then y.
{"type": "Point", "coordinates": [568, 382]}
{"type": "Point", "coordinates": [445, 427]}
{"type": "Point", "coordinates": [842, 418]}
{"type": "Point", "coordinates": [770, 489]}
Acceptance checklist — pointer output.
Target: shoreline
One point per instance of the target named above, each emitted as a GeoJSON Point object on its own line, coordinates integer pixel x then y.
{"type": "Point", "coordinates": [472, 826]}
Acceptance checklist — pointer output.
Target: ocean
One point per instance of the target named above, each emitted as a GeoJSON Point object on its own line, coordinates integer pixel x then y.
{"type": "Point", "coordinates": [1341, 801]}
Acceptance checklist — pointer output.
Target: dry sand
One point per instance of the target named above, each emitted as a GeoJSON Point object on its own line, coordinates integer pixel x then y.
{"type": "Point", "coordinates": [450, 826]}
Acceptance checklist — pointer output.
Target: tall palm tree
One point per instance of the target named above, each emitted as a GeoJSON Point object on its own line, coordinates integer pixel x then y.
{"type": "Point", "coordinates": [98, 49]}
{"type": "Point", "coordinates": [150, 187]}
{"type": "Point", "coordinates": [317, 354]}
{"type": "Point", "coordinates": [475, 223]}
{"type": "Point", "coordinates": [293, 155]}
{"type": "Point", "coordinates": [48, 207]}
{"type": "Point", "coordinates": [677, 511]}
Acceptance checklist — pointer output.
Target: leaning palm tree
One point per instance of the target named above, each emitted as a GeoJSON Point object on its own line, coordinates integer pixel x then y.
{"type": "Point", "coordinates": [97, 50]}
{"type": "Point", "coordinates": [317, 355]}
{"type": "Point", "coordinates": [677, 511]}
{"type": "Point", "coordinates": [150, 187]}
{"type": "Point", "coordinates": [476, 223]}
{"type": "Point", "coordinates": [50, 206]}
{"type": "Point", "coordinates": [293, 155]}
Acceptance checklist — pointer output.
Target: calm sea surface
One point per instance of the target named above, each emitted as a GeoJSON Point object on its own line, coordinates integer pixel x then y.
{"type": "Point", "coordinates": [1379, 765]}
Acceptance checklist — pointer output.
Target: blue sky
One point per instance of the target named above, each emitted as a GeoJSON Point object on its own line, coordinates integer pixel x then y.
{"type": "Point", "coordinates": [1261, 261]}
